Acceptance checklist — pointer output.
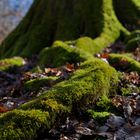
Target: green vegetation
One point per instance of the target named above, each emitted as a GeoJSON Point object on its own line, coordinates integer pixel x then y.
{"type": "Point", "coordinates": [36, 84]}
{"type": "Point", "coordinates": [41, 28]}
{"type": "Point", "coordinates": [20, 124]}
{"type": "Point", "coordinates": [86, 85]}
{"type": "Point", "coordinates": [100, 117]}
{"type": "Point", "coordinates": [104, 103]}
{"type": "Point", "coordinates": [133, 41]}
{"type": "Point", "coordinates": [60, 54]}
{"type": "Point", "coordinates": [69, 32]}
{"type": "Point", "coordinates": [128, 90]}
{"type": "Point", "coordinates": [128, 13]}
{"type": "Point", "coordinates": [124, 62]}
{"type": "Point", "coordinates": [6, 64]}
{"type": "Point", "coordinates": [134, 34]}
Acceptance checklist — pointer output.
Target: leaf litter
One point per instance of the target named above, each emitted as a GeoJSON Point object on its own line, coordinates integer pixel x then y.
{"type": "Point", "coordinates": [124, 124]}
{"type": "Point", "coordinates": [12, 90]}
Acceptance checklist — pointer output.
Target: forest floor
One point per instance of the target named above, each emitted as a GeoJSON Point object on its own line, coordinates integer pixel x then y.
{"type": "Point", "coordinates": [106, 123]}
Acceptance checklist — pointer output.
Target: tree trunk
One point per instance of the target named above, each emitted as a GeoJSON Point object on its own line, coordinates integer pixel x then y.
{"type": "Point", "coordinates": [84, 28]}
{"type": "Point", "coordinates": [70, 20]}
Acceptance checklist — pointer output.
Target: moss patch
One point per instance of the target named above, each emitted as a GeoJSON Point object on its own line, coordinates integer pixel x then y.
{"type": "Point", "coordinates": [6, 64]}
{"type": "Point", "coordinates": [128, 12]}
{"type": "Point", "coordinates": [100, 117]}
{"type": "Point", "coordinates": [60, 54]}
{"type": "Point", "coordinates": [133, 35]}
{"type": "Point", "coordinates": [111, 31]}
{"type": "Point", "coordinates": [36, 84]}
{"type": "Point", "coordinates": [133, 44]}
{"type": "Point", "coordinates": [124, 63]}
{"type": "Point", "coordinates": [133, 41]}
{"type": "Point", "coordinates": [128, 90]}
{"type": "Point", "coordinates": [85, 86]}
{"type": "Point", "coordinates": [19, 124]}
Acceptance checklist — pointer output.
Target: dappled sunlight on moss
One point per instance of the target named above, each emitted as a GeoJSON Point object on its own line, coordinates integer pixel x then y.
{"type": "Point", "coordinates": [80, 90]}
{"type": "Point", "coordinates": [6, 64]}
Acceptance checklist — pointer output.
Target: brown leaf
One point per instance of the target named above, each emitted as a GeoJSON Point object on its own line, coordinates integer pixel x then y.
{"type": "Point", "coordinates": [117, 101]}
{"type": "Point", "coordinates": [104, 55]}
{"type": "Point", "coordinates": [3, 109]}
{"type": "Point", "coordinates": [69, 67]}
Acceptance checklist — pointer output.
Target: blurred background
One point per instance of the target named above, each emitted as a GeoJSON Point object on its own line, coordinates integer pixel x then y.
{"type": "Point", "coordinates": [11, 13]}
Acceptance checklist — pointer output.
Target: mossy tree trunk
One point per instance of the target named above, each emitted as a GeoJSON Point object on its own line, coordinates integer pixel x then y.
{"type": "Point", "coordinates": [87, 26]}
{"type": "Point", "coordinates": [69, 20]}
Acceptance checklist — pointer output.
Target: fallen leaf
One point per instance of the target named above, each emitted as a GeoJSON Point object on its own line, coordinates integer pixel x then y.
{"type": "Point", "coordinates": [104, 55]}
{"type": "Point", "coordinates": [3, 109]}
{"type": "Point", "coordinates": [83, 130]}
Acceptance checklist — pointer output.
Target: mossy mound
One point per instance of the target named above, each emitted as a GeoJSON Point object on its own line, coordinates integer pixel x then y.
{"type": "Point", "coordinates": [124, 63]}
{"type": "Point", "coordinates": [6, 64]}
{"type": "Point", "coordinates": [83, 82]}
{"type": "Point", "coordinates": [20, 124]}
{"type": "Point", "coordinates": [37, 84]}
{"type": "Point", "coordinates": [94, 79]}
{"type": "Point", "coordinates": [61, 53]}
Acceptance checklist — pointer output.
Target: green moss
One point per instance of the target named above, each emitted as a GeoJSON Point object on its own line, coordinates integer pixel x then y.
{"type": "Point", "coordinates": [36, 69]}
{"type": "Point", "coordinates": [128, 12]}
{"type": "Point", "coordinates": [55, 108]}
{"type": "Point", "coordinates": [6, 64]}
{"type": "Point", "coordinates": [129, 54]}
{"type": "Point", "coordinates": [60, 54]}
{"type": "Point", "coordinates": [19, 124]}
{"type": "Point", "coordinates": [111, 30]}
{"type": "Point", "coordinates": [123, 62]}
{"type": "Point", "coordinates": [85, 43]}
{"type": "Point", "coordinates": [94, 77]}
{"type": "Point", "coordinates": [100, 117]}
{"type": "Point", "coordinates": [133, 40]}
{"type": "Point", "coordinates": [134, 34]}
{"type": "Point", "coordinates": [136, 2]}
{"type": "Point", "coordinates": [93, 25]}
{"type": "Point", "coordinates": [133, 44]}
{"type": "Point", "coordinates": [37, 84]}
{"type": "Point", "coordinates": [128, 90]}
{"type": "Point", "coordinates": [41, 27]}
{"type": "Point", "coordinates": [104, 103]}
{"type": "Point", "coordinates": [85, 86]}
